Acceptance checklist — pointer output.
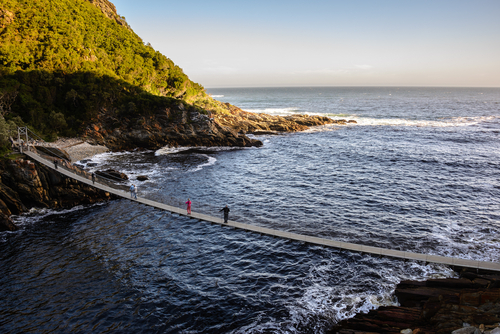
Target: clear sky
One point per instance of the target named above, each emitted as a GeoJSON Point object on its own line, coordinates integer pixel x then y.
{"type": "Point", "coordinates": [259, 43]}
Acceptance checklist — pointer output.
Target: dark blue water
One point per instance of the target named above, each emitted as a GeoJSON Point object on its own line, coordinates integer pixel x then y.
{"type": "Point", "coordinates": [419, 172]}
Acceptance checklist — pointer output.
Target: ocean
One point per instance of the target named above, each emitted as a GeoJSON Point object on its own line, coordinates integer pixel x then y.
{"type": "Point", "coordinates": [419, 172]}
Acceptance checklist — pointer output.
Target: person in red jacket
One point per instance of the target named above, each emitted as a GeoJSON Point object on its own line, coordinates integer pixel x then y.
{"type": "Point", "coordinates": [188, 206]}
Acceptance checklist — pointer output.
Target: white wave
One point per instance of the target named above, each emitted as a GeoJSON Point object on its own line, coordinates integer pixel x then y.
{"type": "Point", "coordinates": [35, 215]}
{"type": "Point", "coordinates": [324, 300]}
{"type": "Point", "coordinates": [372, 121]}
{"type": "Point", "coordinates": [102, 158]}
{"type": "Point", "coordinates": [217, 95]}
{"type": "Point", "coordinates": [325, 128]}
{"type": "Point", "coordinates": [211, 161]}
{"type": "Point", "coordinates": [276, 111]}
{"type": "Point", "coordinates": [172, 150]}
{"type": "Point", "coordinates": [465, 242]}
{"type": "Point", "coordinates": [452, 122]}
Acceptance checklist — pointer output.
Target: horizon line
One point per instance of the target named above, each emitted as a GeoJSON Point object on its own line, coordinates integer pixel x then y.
{"type": "Point", "coordinates": [347, 86]}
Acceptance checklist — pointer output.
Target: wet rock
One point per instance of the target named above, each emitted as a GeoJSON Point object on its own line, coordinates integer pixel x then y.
{"type": "Point", "coordinates": [6, 224]}
{"type": "Point", "coordinates": [25, 184]}
{"type": "Point", "coordinates": [184, 125]}
{"type": "Point", "coordinates": [246, 122]}
{"type": "Point", "coordinates": [465, 330]}
{"type": "Point", "coordinates": [112, 175]}
{"type": "Point", "coordinates": [168, 127]}
{"type": "Point", "coordinates": [437, 306]}
{"type": "Point", "coordinates": [142, 178]}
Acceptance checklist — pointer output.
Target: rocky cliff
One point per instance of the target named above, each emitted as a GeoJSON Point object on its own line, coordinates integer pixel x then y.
{"type": "Point", "coordinates": [469, 304]}
{"type": "Point", "coordinates": [178, 124]}
{"type": "Point", "coordinates": [25, 184]}
{"type": "Point", "coordinates": [109, 10]}
{"type": "Point", "coordinates": [181, 124]}
{"type": "Point", "coordinates": [247, 122]}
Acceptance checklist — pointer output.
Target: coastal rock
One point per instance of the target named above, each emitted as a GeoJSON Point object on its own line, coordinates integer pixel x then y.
{"type": "Point", "coordinates": [185, 125]}
{"type": "Point", "coordinates": [435, 306]}
{"type": "Point", "coordinates": [6, 224]}
{"type": "Point", "coordinates": [142, 178]}
{"type": "Point", "coordinates": [25, 184]}
{"type": "Point", "coordinates": [175, 125]}
{"type": "Point", "coordinates": [247, 122]}
{"type": "Point", "coordinates": [112, 175]}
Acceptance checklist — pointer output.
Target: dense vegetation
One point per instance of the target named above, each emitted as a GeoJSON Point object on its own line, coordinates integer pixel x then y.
{"type": "Point", "coordinates": [64, 61]}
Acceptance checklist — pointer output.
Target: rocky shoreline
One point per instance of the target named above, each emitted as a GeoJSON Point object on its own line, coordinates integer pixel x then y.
{"type": "Point", "coordinates": [251, 123]}
{"type": "Point", "coordinates": [184, 125]}
{"type": "Point", "coordinates": [77, 149]}
{"type": "Point", "coordinates": [25, 184]}
{"type": "Point", "coordinates": [469, 304]}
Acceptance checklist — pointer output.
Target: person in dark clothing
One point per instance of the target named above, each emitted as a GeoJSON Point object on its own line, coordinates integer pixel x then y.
{"type": "Point", "coordinates": [93, 178]}
{"type": "Point", "coordinates": [226, 213]}
{"type": "Point", "coordinates": [55, 164]}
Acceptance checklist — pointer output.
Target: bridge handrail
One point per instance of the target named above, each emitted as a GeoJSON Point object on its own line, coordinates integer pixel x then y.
{"type": "Point", "coordinates": [494, 266]}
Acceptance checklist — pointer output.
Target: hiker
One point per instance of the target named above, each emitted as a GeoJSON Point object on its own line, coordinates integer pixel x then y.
{"type": "Point", "coordinates": [55, 164]}
{"type": "Point", "coordinates": [226, 213]}
{"type": "Point", "coordinates": [93, 178]}
{"type": "Point", "coordinates": [188, 206]}
{"type": "Point", "coordinates": [133, 191]}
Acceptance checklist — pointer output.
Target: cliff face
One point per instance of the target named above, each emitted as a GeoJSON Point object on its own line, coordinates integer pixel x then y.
{"type": "Point", "coordinates": [109, 10]}
{"type": "Point", "coordinates": [24, 185]}
{"type": "Point", "coordinates": [247, 122]}
{"type": "Point", "coordinates": [175, 125]}
{"type": "Point", "coordinates": [436, 306]}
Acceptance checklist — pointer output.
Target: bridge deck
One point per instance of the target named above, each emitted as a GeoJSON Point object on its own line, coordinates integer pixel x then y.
{"type": "Point", "coordinates": [283, 234]}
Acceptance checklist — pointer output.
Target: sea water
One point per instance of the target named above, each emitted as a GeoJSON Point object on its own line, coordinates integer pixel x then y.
{"type": "Point", "coordinates": [418, 172]}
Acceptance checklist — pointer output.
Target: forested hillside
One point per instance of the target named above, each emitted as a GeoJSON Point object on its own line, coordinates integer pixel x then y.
{"type": "Point", "coordinates": [62, 62]}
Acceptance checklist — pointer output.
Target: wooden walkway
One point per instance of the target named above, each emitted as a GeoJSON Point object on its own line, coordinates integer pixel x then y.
{"type": "Point", "coordinates": [451, 261]}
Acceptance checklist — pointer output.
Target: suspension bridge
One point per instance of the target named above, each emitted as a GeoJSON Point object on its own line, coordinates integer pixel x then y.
{"type": "Point", "coordinates": [26, 144]}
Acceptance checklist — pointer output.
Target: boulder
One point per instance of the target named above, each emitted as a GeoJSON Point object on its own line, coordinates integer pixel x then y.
{"type": "Point", "coordinates": [435, 306]}
{"type": "Point", "coordinates": [142, 178]}
{"type": "Point", "coordinates": [112, 175]}
{"type": "Point", "coordinates": [24, 185]}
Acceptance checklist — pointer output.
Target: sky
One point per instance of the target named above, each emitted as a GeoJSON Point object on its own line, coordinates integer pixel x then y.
{"type": "Point", "coordinates": [278, 43]}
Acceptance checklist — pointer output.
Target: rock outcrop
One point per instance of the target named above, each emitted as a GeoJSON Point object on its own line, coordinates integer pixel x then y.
{"type": "Point", "coordinates": [112, 174]}
{"type": "Point", "coordinates": [247, 122]}
{"type": "Point", "coordinates": [109, 10]}
{"type": "Point", "coordinates": [435, 306]}
{"type": "Point", "coordinates": [185, 125]}
{"type": "Point", "coordinates": [25, 184]}
{"type": "Point", "coordinates": [176, 125]}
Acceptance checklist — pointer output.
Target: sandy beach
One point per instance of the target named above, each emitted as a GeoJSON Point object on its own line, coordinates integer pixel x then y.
{"type": "Point", "coordinates": [79, 149]}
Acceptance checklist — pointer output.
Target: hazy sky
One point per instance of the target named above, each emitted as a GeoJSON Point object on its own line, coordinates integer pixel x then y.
{"type": "Point", "coordinates": [324, 43]}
